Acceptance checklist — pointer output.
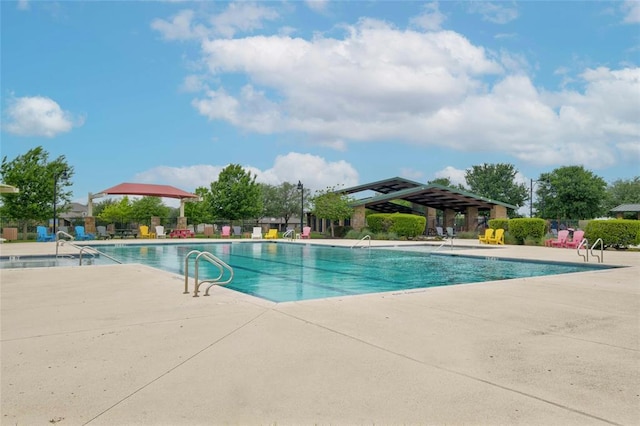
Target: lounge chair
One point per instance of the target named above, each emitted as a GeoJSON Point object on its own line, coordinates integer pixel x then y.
{"type": "Point", "coordinates": [237, 231]}
{"type": "Point", "coordinates": [43, 235]}
{"type": "Point", "coordinates": [488, 233]}
{"type": "Point", "coordinates": [306, 232]}
{"type": "Point", "coordinates": [451, 232]}
{"type": "Point", "coordinates": [498, 237]}
{"type": "Point", "coordinates": [578, 236]}
{"type": "Point", "coordinates": [102, 232]}
{"type": "Point", "coordinates": [440, 232]}
{"type": "Point", "coordinates": [160, 232]}
{"type": "Point", "coordinates": [83, 236]}
{"type": "Point", "coordinates": [563, 235]}
{"type": "Point", "coordinates": [257, 233]}
{"type": "Point", "coordinates": [272, 234]}
{"type": "Point", "coordinates": [226, 232]}
{"type": "Point", "coordinates": [144, 232]}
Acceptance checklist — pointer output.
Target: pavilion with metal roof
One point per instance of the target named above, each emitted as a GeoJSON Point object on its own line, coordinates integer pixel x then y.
{"type": "Point", "coordinates": [423, 199]}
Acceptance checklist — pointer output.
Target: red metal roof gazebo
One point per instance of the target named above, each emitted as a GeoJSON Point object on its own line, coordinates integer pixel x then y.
{"type": "Point", "coordinates": [144, 189]}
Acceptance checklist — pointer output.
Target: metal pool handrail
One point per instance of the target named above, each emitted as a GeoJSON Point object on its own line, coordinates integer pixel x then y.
{"type": "Point", "coordinates": [289, 233]}
{"type": "Point", "coordinates": [584, 243]}
{"type": "Point", "coordinates": [58, 239]}
{"type": "Point", "coordinates": [222, 267]}
{"type": "Point", "coordinates": [366, 237]}
{"type": "Point", "coordinates": [91, 250]}
{"type": "Point", "coordinates": [601, 257]}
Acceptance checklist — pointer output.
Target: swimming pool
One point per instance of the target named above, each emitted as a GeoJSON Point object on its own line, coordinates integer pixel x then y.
{"type": "Point", "coordinates": [283, 272]}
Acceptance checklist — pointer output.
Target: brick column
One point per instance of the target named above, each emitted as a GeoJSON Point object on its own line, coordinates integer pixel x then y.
{"type": "Point", "coordinates": [431, 215]}
{"type": "Point", "coordinates": [498, 212]}
{"type": "Point", "coordinates": [470, 218]}
{"type": "Point", "coordinates": [358, 219]}
{"type": "Point", "coordinates": [90, 225]}
{"type": "Point", "coordinates": [155, 221]}
{"type": "Point", "coordinates": [182, 222]}
{"type": "Point", "coordinates": [449, 218]}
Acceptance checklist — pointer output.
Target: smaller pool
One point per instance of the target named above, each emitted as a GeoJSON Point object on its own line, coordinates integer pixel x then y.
{"type": "Point", "coordinates": [18, 262]}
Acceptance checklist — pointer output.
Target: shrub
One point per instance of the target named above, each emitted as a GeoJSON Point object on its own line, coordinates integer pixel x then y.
{"type": "Point", "coordinates": [340, 231]}
{"type": "Point", "coordinates": [619, 233]}
{"type": "Point", "coordinates": [523, 228]}
{"type": "Point", "coordinates": [378, 222]}
{"type": "Point", "coordinates": [499, 224]}
{"type": "Point", "coordinates": [407, 225]}
{"type": "Point", "coordinates": [467, 235]}
{"type": "Point", "coordinates": [402, 224]}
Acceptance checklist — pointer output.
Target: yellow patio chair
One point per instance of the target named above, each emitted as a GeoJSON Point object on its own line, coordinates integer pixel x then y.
{"type": "Point", "coordinates": [144, 232]}
{"type": "Point", "coordinates": [488, 234]}
{"type": "Point", "coordinates": [498, 237]}
{"type": "Point", "coordinates": [273, 233]}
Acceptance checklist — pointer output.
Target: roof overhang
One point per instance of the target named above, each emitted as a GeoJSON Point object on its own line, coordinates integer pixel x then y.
{"type": "Point", "coordinates": [435, 196]}
{"type": "Point", "coordinates": [145, 189]}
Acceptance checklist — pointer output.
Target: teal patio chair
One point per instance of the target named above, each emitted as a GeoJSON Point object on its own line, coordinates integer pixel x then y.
{"type": "Point", "coordinates": [43, 235]}
{"type": "Point", "coordinates": [82, 236]}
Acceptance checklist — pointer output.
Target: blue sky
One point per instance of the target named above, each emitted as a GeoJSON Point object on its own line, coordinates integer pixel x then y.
{"type": "Point", "coordinates": [328, 93]}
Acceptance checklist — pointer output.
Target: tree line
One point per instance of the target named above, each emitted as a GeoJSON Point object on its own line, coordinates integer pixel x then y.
{"type": "Point", "coordinates": [570, 192]}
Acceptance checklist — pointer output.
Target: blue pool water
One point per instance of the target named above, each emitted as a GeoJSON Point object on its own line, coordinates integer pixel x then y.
{"type": "Point", "coordinates": [283, 272]}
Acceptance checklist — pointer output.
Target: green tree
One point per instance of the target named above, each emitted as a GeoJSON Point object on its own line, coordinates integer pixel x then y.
{"type": "Point", "coordinates": [34, 175]}
{"type": "Point", "coordinates": [200, 211]}
{"type": "Point", "coordinates": [118, 212]}
{"type": "Point", "coordinates": [332, 205]}
{"type": "Point", "coordinates": [497, 182]}
{"type": "Point", "coordinates": [570, 192]}
{"type": "Point", "coordinates": [235, 195]}
{"type": "Point", "coordinates": [145, 207]}
{"type": "Point", "coordinates": [446, 182]}
{"type": "Point", "coordinates": [283, 201]}
{"type": "Point", "coordinates": [623, 191]}
{"type": "Point", "coordinates": [99, 207]}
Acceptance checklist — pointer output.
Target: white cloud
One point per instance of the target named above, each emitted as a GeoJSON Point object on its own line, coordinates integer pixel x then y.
{"type": "Point", "coordinates": [631, 10]}
{"type": "Point", "coordinates": [456, 176]}
{"type": "Point", "coordinates": [23, 5]}
{"type": "Point", "coordinates": [313, 171]}
{"type": "Point", "coordinates": [242, 17]}
{"type": "Point", "coordinates": [498, 13]}
{"type": "Point", "coordinates": [412, 174]}
{"type": "Point", "coordinates": [180, 27]}
{"type": "Point", "coordinates": [380, 83]}
{"type": "Point", "coordinates": [38, 116]}
{"type": "Point", "coordinates": [431, 19]}
{"type": "Point", "coordinates": [317, 5]}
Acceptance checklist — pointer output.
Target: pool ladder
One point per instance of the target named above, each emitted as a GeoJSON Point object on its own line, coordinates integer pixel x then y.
{"type": "Point", "coordinates": [222, 268]}
{"type": "Point", "coordinates": [88, 249]}
{"type": "Point", "coordinates": [585, 244]}
{"type": "Point", "coordinates": [366, 237]}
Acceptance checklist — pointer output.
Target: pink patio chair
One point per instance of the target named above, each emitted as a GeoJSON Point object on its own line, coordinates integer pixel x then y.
{"type": "Point", "coordinates": [562, 238]}
{"type": "Point", "coordinates": [306, 232]}
{"type": "Point", "coordinates": [578, 236]}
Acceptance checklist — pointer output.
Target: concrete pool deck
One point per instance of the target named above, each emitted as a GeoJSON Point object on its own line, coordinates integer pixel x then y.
{"type": "Point", "coordinates": [121, 344]}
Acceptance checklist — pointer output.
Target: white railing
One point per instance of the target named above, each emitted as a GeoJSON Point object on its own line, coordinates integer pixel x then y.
{"type": "Point", "coordinates": [601, 256]}
{"type": "Point", "coordinates": [82, 249]}
{"type": "Point", "coordinates": [289, 234]}
{"type": "Point", "coordinates": [222, 268]}
{"type": "Point", "coordinates": [366, 237]}
{"type": "Point", "coordinates": [584, 244]}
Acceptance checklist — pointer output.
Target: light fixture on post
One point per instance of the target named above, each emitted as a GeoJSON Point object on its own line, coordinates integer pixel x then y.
{"type": "Point", "coordinates": [63, 174]}
{"type": "Point", "coordinates": [301, 189]}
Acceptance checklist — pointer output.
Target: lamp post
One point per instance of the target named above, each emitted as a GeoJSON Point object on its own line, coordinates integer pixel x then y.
{"type": "Point", "coordinates": [56, 176]}
{"type": "Point", "coordinates": [531, 194]}
{"type": "Point", "coordinates": [301, 189]}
